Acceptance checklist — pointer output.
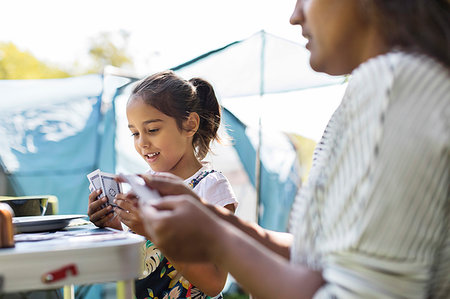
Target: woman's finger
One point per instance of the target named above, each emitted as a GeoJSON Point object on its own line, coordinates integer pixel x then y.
{"type": "Point", "coordinates": [168, 185]}
{"type": "Point", "coordinates": [122, 213]}
{"type": "Point", "coordinates": [126, 204]}
{"type": "Point", "coordinates": [169, 203]}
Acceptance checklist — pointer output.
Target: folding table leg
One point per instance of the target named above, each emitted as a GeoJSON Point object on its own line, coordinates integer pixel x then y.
{"type": "Point", "coordinates": [125, 289]}
{"type": "Point", "coordinates": [69, 292]}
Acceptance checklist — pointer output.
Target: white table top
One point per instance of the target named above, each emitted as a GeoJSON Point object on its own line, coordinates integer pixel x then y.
{"type": "Point", "coordinates": [98, 255]}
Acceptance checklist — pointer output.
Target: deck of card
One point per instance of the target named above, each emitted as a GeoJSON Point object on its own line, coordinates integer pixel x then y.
{"type": "Point", "coordinates": [104, 181]}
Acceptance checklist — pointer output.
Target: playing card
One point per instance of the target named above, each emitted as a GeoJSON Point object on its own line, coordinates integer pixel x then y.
{"type": "Point", "coordinates": [95, 183]}
{"type": "Point", "coordinates": [94, 179]}
{"type": "Point", "coordinates": [104, 181]}
{"type": "Point", "coordinates": [110, 187]}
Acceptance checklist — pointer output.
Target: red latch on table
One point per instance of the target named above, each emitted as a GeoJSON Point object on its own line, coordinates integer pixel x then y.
{"type": "Point", "coordinates": [59, 274]}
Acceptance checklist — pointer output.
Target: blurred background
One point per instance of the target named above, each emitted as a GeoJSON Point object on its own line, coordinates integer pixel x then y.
{"type": "Point", "coordinates": [67, 67]}
{"type": "Point", "coordinates": [66, 38]}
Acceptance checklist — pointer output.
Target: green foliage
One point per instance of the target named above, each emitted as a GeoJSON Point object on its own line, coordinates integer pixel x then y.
{"type": "Point", "coordinates": [16, 64]}
{"type": "Point", "coordinates": [109, 49]}
{"type": "Point", "coordinates": [105, 49]}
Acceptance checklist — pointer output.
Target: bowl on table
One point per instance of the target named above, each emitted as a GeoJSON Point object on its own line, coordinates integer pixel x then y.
{"type": "Point", "coordinates": [27, 205]}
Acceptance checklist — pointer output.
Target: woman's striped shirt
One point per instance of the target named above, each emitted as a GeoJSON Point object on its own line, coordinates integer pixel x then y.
{"type": "Point", "coordinates": [374, 216]}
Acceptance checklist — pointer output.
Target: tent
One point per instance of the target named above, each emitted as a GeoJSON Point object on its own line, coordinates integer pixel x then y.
{"type": "Point", "coordinates": [53, 132]}
{"type": "Point", "coordinates": [260, 65]}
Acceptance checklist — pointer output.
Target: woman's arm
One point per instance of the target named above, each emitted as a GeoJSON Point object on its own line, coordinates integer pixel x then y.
{"type": "Point", "coordinates": [275, 241]}
{"type": "Point", "coordinates": [205, 276]}
{"type": "Point", "coordinates": [259, 271]}
{"type": "Point", "coordinates": [188, 231]}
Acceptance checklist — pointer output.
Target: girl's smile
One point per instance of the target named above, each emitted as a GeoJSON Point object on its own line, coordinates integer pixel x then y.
{"type": "Point", "coordinates": [151, 157]}
{"type": "Point", "coordinates": [160, 142]}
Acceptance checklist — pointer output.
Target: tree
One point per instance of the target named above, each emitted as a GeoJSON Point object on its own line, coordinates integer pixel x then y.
{"type": "Point", "coordinates": [106, 48]}
{"type": "Point", "coordinates": [109, 49]}
{"type": "Point", "coordinates": [17, 64]}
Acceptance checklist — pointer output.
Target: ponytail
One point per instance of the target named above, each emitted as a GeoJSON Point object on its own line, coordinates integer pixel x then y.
{"type": "Point", "coordinates": [210, 115]}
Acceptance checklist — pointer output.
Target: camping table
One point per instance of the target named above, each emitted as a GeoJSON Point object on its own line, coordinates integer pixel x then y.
{"type": "Point", "coordinates": [78, 255]}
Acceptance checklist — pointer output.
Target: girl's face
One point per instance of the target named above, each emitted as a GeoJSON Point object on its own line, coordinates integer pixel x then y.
{"type": "Point", "coordinates": [159, 141]}
{"type": "Point", "coordinates": [340, 36]}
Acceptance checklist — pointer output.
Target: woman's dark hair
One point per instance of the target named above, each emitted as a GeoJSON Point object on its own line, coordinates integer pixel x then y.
{"type": "Point", "coordinates": [416, 25]}
{"type": "Point", "coordinates": [177, 98]}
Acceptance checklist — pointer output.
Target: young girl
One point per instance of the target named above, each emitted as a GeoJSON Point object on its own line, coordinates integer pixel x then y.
{"type": "Point", "coordinates": [173, 122]}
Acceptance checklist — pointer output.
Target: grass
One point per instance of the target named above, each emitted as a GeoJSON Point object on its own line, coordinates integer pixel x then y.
{"type": "Point", "coordinates": [235, 296]}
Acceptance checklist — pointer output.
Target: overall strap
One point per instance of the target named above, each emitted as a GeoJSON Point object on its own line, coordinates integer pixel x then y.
{"type": "Point", "coordinates": [197, 179]}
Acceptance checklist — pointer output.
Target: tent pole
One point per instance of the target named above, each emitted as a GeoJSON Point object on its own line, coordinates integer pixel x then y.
{"type": "Point", "coordinates": [258, 150]}
{"type": "Point", "coordinates": [258, 173]}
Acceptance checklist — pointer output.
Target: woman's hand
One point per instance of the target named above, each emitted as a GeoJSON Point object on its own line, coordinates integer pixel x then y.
{"type": "Point", "coordinates": [182, 228]}
{"type": "Point", "coordinates": [128, 212]}
{"type": "Point", "coordinates": [167, 184]}
{"type": "Point", "coordinates": [101, 217]}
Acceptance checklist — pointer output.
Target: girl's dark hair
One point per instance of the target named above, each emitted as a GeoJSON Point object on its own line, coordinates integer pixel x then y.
{"type": "Point", "coordinates": [416, 25]}
{"type": "Point", "coordinates": [176, 97]}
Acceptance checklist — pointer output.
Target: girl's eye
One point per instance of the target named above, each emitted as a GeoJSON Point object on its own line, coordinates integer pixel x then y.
{"type": "Point", "coordinates": [134, 134]}
{"type": "Point", "coordinates": [153, 130]}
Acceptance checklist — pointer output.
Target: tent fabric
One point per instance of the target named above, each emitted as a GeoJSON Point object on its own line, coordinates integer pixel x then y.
{"type": "Point", "coordinates": [260, 64]}
{"type": "Point", "coordinates": [54, 132]}
{"type": "Point", "coordinates": [280, 170]}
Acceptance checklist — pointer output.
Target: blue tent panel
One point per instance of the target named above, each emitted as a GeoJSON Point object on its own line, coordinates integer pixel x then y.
{"type": "Point", "coordinates": [279, 185]}
{"type": "Point", "coordinates": [52, 137]}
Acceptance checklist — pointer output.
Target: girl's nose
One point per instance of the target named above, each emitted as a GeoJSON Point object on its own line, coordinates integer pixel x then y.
{"type": "Point", "coordinates": [298, 17]}
{"type": "Point", "coordinates": [143, 142]}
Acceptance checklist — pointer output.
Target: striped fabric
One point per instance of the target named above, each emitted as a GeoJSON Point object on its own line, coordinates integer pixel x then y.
{"type": "Point", "coordinates": [374, 216]}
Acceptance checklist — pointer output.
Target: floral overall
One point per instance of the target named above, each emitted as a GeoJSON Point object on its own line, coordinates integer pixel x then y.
{"type": "Point", "coordinates": [160, 279]}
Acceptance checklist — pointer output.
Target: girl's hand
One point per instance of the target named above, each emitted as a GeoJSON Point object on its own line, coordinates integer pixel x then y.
{"type": "Point", "coordinates": [101, 217]}
{"type": "Point", "coordinates": [128, 212]}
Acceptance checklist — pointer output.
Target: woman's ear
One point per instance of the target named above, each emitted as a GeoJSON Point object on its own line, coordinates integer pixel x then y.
{"type": "Point", "coordinates": [191, 124]}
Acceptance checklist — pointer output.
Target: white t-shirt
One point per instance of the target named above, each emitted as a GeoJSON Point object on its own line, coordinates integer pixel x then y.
{"type": "Point", "coordinates": [374, 215]}
{"type": "Point", "coordinates": [214, 187]}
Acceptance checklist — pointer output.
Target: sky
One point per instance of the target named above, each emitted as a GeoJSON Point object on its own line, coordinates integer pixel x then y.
{"type": "Point", "coordinates": [163, 33]}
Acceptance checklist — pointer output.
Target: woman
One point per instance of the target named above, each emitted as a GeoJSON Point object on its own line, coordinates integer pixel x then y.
{"type": "Point", "coordinates": [373, 218]}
